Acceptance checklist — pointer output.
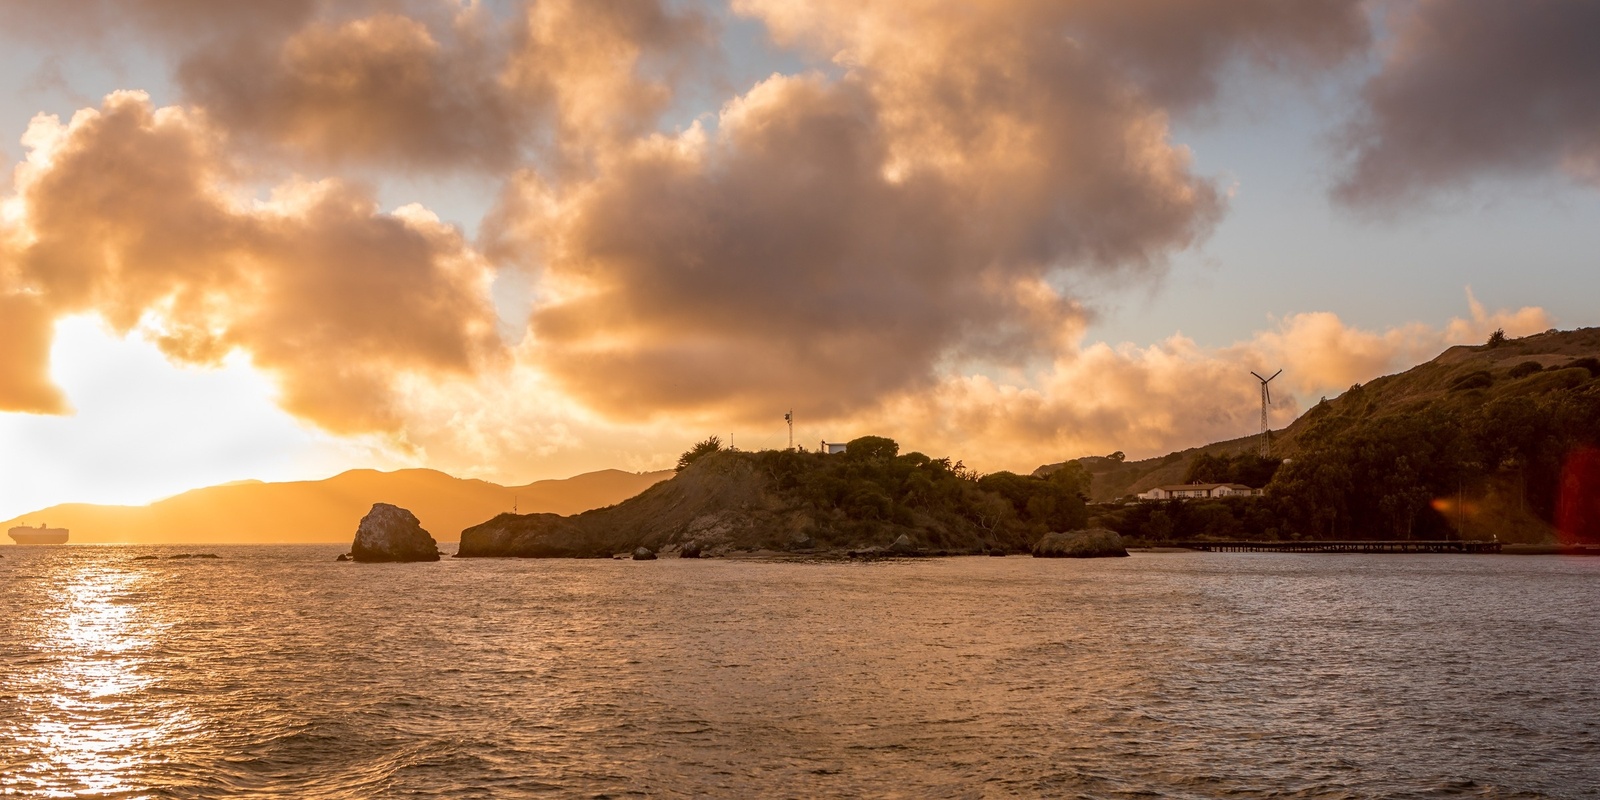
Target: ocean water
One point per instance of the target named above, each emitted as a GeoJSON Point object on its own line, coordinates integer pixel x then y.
{"type": "Point", "coordinates": [275, 672]}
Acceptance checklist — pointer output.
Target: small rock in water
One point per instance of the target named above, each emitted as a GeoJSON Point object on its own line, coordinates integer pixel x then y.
{"type": "Point", "coordinates": [1092, 543]}
{"type": "Point", "coordinates": [145, 558]}
{"type": "Point", "coordinates": [642, 553]}
{"type": "Point", "coordinates": [391, 533]}
{"type": "Point", "coordinates": [689, 550]}
{"type": "Point", "coordinates": [902, 545]}
{"type": "Point", "coordinates": [343, 557]}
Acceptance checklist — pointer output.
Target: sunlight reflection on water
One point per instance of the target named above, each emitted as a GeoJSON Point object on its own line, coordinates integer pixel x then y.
{"type": "Point", "coordinates": [273, 672]}
{"type": "Point", "coordinates": [80, 684]}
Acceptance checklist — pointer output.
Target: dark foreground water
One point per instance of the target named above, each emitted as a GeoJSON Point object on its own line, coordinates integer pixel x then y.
{"type": "Point", "coordinates": [274, 672]}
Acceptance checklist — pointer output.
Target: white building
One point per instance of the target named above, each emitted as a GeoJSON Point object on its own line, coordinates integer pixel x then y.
{"type": "Point", "coordinates": [1199, 491]}
{"type": "Point", "coordinates": [832, 447]}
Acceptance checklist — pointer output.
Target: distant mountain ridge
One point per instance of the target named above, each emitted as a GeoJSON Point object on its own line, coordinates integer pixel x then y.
{"type": "Point", "coordinates": [328, 510]}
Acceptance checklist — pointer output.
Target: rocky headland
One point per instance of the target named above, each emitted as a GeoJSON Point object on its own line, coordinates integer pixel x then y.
{"type": "Point", "coordinates": [869, 499]}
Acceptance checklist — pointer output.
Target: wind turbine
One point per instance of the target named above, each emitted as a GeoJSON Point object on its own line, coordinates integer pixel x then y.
{"type": "Point", "coordinates": [1266, 400]}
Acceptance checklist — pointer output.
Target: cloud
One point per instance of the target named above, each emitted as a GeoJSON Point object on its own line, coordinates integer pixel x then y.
{"type": "Point", "coordinates": [172, 22]}
{"type": "Point", "coordinates": [606, 71]}
{"type": "Point", "coordinates": [377, 89]}
{"type": "Point", "coordinates": [1175, 50]}
{"type": "Point", "coordinates": [1477, 88]}
{"type": "Point", "coordinates": [134, 213]}
{"type": "Point", "coordinates": [1096, 398]}
{"type": "Point", "coordinates": [1087, 398]}
{"type": "Point", "coordinates": [836, 238]}
{"type": "Point", "coordinates": [886, 243]}
{"type": "Point", "coordinates": [25, 327]}
{"type": "Point", "coordinates": [466, 90]}
{"type": "Point", "coordinates": [417, 84]}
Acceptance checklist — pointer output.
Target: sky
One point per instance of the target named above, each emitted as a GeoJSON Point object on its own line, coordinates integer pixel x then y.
{"type": "Point", "coordinates": [523, 240]}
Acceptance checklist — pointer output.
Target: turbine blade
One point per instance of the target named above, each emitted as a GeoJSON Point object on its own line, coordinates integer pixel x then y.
{"type": "Point", "coordinates": [1276, 374]}
{"type": "Point", "coordinates": [1258, 377]}
{"type": "Point", "coordinates": [1269, 393]}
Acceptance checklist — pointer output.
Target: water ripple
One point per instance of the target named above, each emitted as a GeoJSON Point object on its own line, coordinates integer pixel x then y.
{"type": "Point", "coordinates": [273, 672]}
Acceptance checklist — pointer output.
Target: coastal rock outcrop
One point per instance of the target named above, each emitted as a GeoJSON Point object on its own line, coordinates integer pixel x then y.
{"type": "Point", "coordinates": [689, 550]}
{"type": "Point", "coordinates": [777, 502]}
{"type": "Point", "coordinates": [642, 553]}
{"type": "Point", "coordinates": [391, 533]}
{"type": "Point", "coordinates": [1091, 543]}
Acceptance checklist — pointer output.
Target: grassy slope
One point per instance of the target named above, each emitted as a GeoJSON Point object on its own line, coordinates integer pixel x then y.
{"type": "Point", "coordinates": [1407, 392]}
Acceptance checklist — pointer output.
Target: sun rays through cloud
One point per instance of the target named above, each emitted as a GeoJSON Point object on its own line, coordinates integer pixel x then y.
{"type": "Point", "coordinates": [205, 273]}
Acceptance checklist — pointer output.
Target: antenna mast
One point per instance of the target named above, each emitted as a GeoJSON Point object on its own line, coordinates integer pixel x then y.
{"type": "Point", "coordinates": [789, 418]}
{"type": "Point", "coordinates": [1266, 400]}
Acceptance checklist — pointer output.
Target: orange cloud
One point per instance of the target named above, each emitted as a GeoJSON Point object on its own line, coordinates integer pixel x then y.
{"type": "Point", "coordinates": [374, 89]}
{"type": "Point", "coordinates": [884, 244]}
{"type": "Point", "coordinates": [25, 328]}
{"type": "Point", "coordinates": [833, 240]}
{"type": "Point", "coordinates": [418, 84]}
{"type": "Point", "coordinates": [1171, 395]}
{"type": "Point", "coordinates": [134, 213]}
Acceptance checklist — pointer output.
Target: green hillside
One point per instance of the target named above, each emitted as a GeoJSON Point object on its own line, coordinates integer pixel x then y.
{"type": "Point", "coordinates": [1495, 440]}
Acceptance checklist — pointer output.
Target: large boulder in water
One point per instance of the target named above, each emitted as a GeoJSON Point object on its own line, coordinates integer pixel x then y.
{"type": "Point", "coordinates": [642, 553]}
{"type": "Point", "coordinates": [1092, 543]}
{"type": "Point", "coordinates": [391, 533]}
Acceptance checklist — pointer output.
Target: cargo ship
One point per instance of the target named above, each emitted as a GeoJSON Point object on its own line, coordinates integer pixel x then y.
{"type": "Point", "coordinates": [39, 535]}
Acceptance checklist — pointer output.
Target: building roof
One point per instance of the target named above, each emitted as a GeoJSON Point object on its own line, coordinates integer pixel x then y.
{"type": "Point", "coordinates": [1202, 487]}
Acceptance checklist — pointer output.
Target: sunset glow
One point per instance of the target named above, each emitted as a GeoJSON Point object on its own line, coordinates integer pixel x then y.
{"type": "Point", "coordinates": [534, 253]}
{"type": "Point", "coordinates": [799, 398]}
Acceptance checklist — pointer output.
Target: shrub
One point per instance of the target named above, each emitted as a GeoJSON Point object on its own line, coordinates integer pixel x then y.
{"type": "Point", "coordinates": [1588, 363]}
{"type": "Point", "coordinates": [1472, 380]}
{"type": "Point", "coordinates": [1525, 369]}
{"type": "Point", "coordinates": [872, 448]}
{"type": "Point", "coordinates": [711, 444]}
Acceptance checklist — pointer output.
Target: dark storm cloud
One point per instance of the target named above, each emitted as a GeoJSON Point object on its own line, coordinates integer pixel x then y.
{"type": "Point", "coordinates": [1176, 49]}
{"type": "Point", "coordinates": [1479, 88]}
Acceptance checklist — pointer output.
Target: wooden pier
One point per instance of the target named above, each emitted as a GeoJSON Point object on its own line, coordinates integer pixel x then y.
{"type": "Point", "coordinates": [1351, 546]}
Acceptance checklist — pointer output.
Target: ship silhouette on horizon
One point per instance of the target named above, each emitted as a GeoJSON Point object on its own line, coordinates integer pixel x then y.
{"type": "Point", "coordinates": [23, 534]}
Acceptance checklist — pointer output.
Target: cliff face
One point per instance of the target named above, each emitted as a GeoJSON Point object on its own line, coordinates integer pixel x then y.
{"type": "Point", "coordinates": [774, 500]}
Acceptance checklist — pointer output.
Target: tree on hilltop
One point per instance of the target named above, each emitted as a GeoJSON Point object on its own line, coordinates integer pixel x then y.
{"type": "Point", "coordinates": [711, 444]}
{"type": "Point", "coordinates": [872, 448]}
